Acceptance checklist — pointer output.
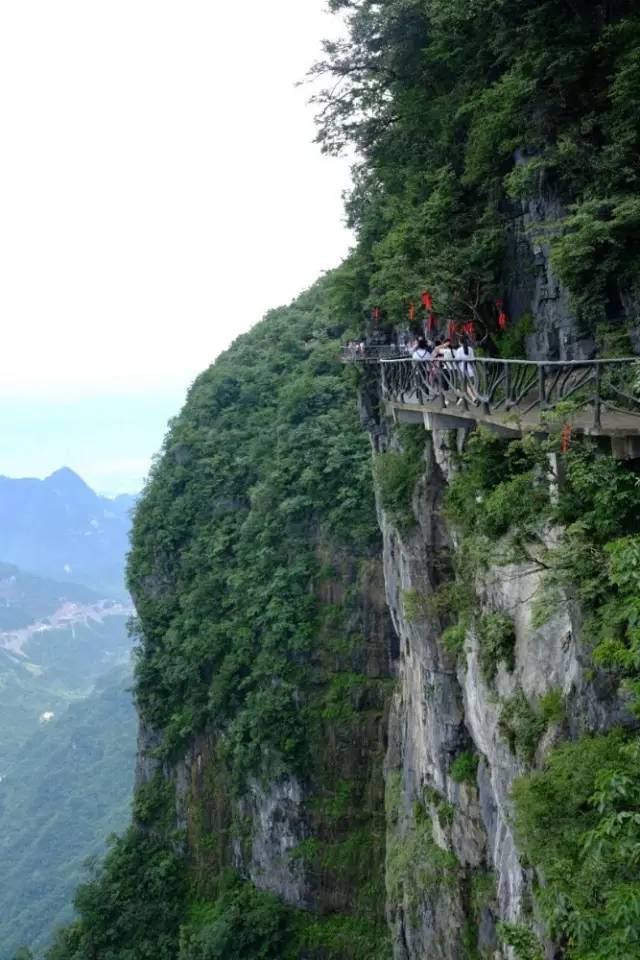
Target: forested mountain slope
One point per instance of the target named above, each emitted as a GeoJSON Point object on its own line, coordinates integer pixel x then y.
{"type": "Point", "coordinates": [263, 669]}
{"type": "Point", "coordinates": [67, 792]}
{"type": "Point", "coordinates": [67, 724]}
{"type": "Point", "coordinates": [56, 639]}
{"type": "Point", "coordinates": [437, 729]}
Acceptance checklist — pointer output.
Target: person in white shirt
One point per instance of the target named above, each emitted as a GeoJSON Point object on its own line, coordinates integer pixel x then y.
{"type": "Point", "coordinates": [444, 353]}
{"type": "Point", "coordinates": [465, 357]}
{"type": "Point", "coordinates": [421, 350]}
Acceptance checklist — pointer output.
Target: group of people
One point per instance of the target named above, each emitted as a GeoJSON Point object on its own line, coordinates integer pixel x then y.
{"type": "Point", "coordinates": [457, 359]}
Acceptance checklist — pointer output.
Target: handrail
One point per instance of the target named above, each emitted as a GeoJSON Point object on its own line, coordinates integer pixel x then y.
{"type": "Point", "coordinates": [531, 363]}
{"type": "Point", "coordinates": [601, 396]}
{"type": "Point", "coordinates": [372, 354]}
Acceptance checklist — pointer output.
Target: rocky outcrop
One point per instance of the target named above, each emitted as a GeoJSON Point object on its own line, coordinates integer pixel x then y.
{"type": "Point", "coordinates": [453, 867]}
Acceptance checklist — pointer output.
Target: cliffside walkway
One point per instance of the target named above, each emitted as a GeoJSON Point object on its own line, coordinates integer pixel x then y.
{"type": "Point", "coordinates": [596, 397]}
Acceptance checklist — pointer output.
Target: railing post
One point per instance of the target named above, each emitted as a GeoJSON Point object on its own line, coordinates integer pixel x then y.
{"type": "Point", "coordinates": [542, 386]}
{"type": "Point", "coordinates": [597, 418]}
{"type": "Point", "coordinates": [417, 376]}
{"type": "Point", "coordinates": [441, 391]}
{"type": "Point", "coordinates": [507, 386]}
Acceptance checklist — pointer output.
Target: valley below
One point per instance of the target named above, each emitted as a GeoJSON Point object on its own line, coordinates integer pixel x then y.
{"type": "Point", "coordinates": [67, 721]}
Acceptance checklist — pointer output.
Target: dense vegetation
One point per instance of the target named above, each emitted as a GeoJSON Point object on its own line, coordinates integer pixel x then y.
{"type": "Point", "coordinates": [459, 109]}
{"type": "Point", "coordinates": [59, 667]}
{"type": "Point", "coordinates": [67, 791]}
{"type": "Point", "coordinates": [251, 545]}
{"type": "Point", "coordinates": [264, 468]}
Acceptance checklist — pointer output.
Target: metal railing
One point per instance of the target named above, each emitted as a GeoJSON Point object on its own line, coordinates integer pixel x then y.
{"type": "Point", "coordinates": [599, 388]}
{"type": "Point", "coordinates": [373, 354]}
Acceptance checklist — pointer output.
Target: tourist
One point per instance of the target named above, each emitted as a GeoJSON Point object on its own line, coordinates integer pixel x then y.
{"type": "Point", "coordinates": [465, 358]}
{"type": "Point", "coordinates": [444, 353]}
{"type": "Point", "coordinates": [421, 350]}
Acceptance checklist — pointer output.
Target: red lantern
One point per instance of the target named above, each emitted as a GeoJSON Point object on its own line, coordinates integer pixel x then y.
{"type": "Point", "coordinates": [426, 300]}
{"type": "Point", "coordinates": [376, 315]}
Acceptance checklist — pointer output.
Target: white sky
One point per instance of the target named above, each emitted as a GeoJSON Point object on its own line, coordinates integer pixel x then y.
{"type": "Point", "coordinates": [159, 190]}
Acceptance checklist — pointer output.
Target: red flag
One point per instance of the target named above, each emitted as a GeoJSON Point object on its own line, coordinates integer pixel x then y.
{"type": "Point", "coordinates": [502, 317]}
{"type": "Point", "coordinates": [376, 314]}
{"type": "Point", "coordinates": [426, 300]}
{"type": "Point", "coordinates": [469, 328]}
{"type": "Point", "coordinates": [452, 329]}
{"type": "Point", "coordinates": [412, 312]}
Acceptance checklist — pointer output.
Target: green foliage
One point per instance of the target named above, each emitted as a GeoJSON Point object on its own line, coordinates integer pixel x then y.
{"type": "Point", "coordinates": [248, 923]}
{"type": "Point", "coordinates": [453, 638]}
{"type": "Point", "coordinates": [131, 909]}
{"type": "Point", "coordinates": [397, 474]}
{"type": "Point", "coordinates": [244, 922]}
{"type": "Point", "coordinates": [465, 767]}
{"type": "Point", "coordinates": [521, 726]}
{"type": "Point", "coordinates": [457, 108]}
{"type": "Point", "coordinates": [578, 820]}
{"type": "Point", "coordinates": [344, 938]}
{"type": "Point", "coordinates": [154, 803]}
{"type": "Point", "coordinates": [497, 636]}
{"type": "Point", "coordinates": [599, 241]}
{"type": "Point", "coordinates": [513, 342]}
{"type": "Point", "coordinates": [415, 605]}
{"type": "Point", "coordinates": [500, 490]}
{"type": "Point", "coordinates": [522, 941]}
{"type": "Point", "coordinates": [266, 461]}
{"type": "Point", "coordinates": [552, 707]}
{"type": "Point", "coordinates": [416, 866]}
{"type": "Point", "coordinates": [69, 788]}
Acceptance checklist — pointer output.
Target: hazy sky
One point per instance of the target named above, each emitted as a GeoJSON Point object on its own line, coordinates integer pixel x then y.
{"type": "Point", "coordinates": [159, 190]}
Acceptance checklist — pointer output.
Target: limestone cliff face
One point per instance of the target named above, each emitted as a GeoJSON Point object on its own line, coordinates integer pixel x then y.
{"type": "Point", "coordinates": [453, 869]}
{"type": "Point", "coordinates": [534, 289]}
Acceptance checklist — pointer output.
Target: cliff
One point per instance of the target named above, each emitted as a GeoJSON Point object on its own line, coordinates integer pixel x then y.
{"type": "Point", "coordinates": [411, 738]}
{"type": "Point", "coordinates": [387, 708]}
{"type": "Point", "coordinates": [495, 670]}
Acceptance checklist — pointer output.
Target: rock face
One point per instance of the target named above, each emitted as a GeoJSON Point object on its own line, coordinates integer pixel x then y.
{"type": "Point", "coordinates": [408, 802]}
{"type": "Point", "coordinates": [533, 288]}
{"type": "Point", "coordinates": [453, 868]}
{"type": "Point", "coordinates": [452, 871]}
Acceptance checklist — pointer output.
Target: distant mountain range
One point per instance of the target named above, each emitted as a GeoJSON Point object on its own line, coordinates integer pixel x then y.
{"type": "Point", "coordinates": [60, 528]}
